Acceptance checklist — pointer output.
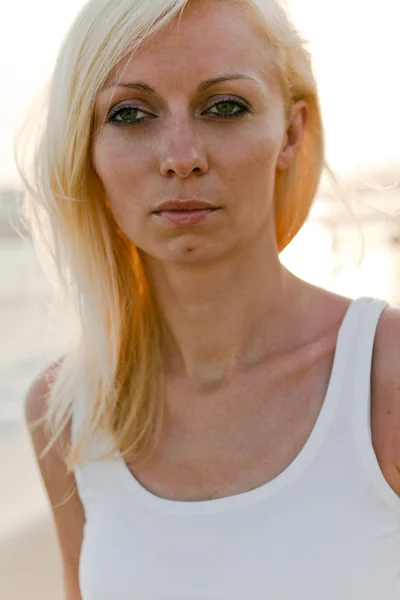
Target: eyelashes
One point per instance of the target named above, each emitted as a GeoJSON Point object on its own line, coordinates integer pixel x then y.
{"type": "Point", "coordinates": [116, 115]}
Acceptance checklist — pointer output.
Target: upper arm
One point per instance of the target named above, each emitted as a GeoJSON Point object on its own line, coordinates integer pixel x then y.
{"type": "Point", "coordinates": [69, 517]}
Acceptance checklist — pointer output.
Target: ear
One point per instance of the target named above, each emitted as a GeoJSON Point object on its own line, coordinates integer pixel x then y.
{"type": "Point", "coordinates": [294, 135]}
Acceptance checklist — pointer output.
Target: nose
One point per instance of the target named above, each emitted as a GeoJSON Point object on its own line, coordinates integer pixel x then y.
{"type": "Point", "coordinates": [182, 152]}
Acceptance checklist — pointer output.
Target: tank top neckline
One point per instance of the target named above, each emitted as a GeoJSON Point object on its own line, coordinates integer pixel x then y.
{"type": "Point", "coordinates": [149, 500]}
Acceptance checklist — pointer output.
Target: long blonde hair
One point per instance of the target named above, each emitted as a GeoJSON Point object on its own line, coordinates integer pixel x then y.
{"type": "Point", "coordinates": [116, 361]}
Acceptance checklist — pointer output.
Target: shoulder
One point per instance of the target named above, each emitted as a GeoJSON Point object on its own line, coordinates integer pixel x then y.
{"type": "Point", "coordinates": [50, 457]}
{"type": "Point", "coordinates": [37, 395]}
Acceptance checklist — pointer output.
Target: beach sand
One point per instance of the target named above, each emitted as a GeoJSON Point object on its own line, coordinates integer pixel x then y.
{"type": "Point", "coordinates": [30, 566]}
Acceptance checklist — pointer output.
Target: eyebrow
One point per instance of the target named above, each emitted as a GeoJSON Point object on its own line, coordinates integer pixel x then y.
{"type": "Point", "coordinates": [203, 87]}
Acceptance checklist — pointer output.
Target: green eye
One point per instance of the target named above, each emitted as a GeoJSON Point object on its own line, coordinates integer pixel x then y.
{"type": "Point", "coordinates": [226, 108]}
{"type": "Point", "coordinates": [125, 115]}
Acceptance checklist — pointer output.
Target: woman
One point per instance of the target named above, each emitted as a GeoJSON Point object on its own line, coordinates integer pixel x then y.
{"type": "Point", "coordinates": [215, 412]}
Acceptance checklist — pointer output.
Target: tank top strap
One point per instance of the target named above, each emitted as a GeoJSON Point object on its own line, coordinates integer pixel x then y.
{"type": "Point", "coordinates": [356, 337]}
{"type": "Point", "coordinates": [357, 346]}
{"type": "Point", "coordinates": [361, 368]}
{"type": "Point", "coordinates": [361, 401]}
{"type": "Point", "coordinates": [348, 443]}
{"type": "Point", "coordinates": [350, 375]}
{"type": "Point", "coordinates": [361, 318]}
{"type": "Point", "coordinates": [370, 312]}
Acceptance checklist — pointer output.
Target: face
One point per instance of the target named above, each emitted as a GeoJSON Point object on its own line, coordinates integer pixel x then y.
{"type": "Point", "coordinates": [206, 123]}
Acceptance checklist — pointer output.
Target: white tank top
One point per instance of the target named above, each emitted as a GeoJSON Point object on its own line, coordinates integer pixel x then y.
{"type": "Point", "coordinates": [326, 528]}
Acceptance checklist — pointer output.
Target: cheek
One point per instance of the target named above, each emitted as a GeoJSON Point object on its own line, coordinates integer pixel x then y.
{"type": "Point", "coordinates": [253, 160]}
{"type": "Point", "coordinates": [120, 168]}
{"type": "Point", "coordinates": [119, 161]}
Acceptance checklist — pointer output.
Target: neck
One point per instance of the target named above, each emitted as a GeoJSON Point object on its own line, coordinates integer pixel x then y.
{"type": "Point", "coordinates": [227, 316]}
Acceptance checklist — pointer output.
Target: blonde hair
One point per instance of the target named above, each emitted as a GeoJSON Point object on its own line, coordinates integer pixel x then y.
{"type": "Point", "coordinates": [116, 362]}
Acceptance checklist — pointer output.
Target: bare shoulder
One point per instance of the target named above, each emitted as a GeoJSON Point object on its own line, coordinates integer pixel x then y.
{"type": "Point", "coordinates": [36, 402]}
{"type": "Point", "coordinates": [37, 395]}
{"type": "Point", "coordinates": [60, 485]}
{"type": "Point", "coordinates": [386, 380]}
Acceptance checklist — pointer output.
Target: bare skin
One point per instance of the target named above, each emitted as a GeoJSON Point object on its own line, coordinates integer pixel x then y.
{"type": "Point", "coordinates": [249, 347]}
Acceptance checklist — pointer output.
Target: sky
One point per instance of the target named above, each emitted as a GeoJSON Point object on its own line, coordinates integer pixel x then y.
{"type": "Point", "coordinates": [355, 47]}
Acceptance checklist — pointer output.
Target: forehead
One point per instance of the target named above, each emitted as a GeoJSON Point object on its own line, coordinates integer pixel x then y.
{"type": "Point", "coordinates": [209, 37]}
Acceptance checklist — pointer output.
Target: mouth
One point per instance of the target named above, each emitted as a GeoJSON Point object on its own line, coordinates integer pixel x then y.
{"type": "Point", "coordinates": [185, 210]}
{"type": "Point", "coordinates": [191, 205]}
{"type": "Point", "coordinates": [185, 218]}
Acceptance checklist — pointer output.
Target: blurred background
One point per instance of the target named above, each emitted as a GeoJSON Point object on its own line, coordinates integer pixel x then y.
{"type": "Point", "coordinates": [355, 47]}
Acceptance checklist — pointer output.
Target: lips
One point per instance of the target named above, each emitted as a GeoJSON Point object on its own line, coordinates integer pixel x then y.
{"type": "Point", "coordinates": [184, 205]}
{"type": "Point", "coordinates": [182, 210]}
{"type": "Point", "coordinates": [184, 218]}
